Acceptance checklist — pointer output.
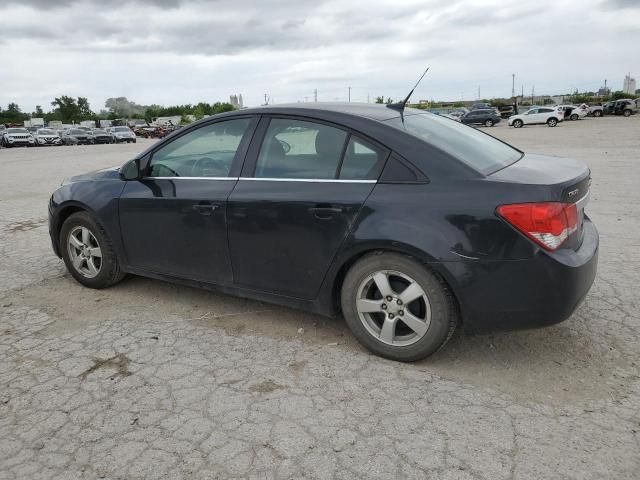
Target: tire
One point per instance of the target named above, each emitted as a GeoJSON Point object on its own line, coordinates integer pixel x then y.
{"type": "Point", "coordinates": [518, 123]}
{"type": "Point", "coordinates": [573, 116]}
{"type": "Point", "coordinates": [552, 122]}
{"type": "Point", "coordinates": [108, 269]}
{"type": "Point", "coordinates": [597, 113]}
{"type": "Point", "coordinates": [488, 123]}
{"type": "Point", "coordinates": [435, 307]}
{"type": "Point", "coordinates": [626, 113]}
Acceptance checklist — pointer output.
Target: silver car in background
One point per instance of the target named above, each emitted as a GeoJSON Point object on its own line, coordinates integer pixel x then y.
{"type": "Point", "coordinates": [47, 136]}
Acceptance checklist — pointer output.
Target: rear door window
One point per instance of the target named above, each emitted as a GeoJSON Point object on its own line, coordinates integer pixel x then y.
{"type": "Point", "coordinates": [298, 149]}
{"type": "Point", "coordinates": [362, 160]}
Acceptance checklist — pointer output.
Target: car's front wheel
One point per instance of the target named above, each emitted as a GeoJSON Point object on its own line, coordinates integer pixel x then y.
{"type": "Point", "coordinates": [87, 252]}
{"type": "Point", "coordinates": [627, 113]}
{"type": "Point", "coordinates": [488, 123]}
{"type": "Point", "coordinates": [552, 122]}
{"type": "Point", "coordinates": [517, 123]}
{"type": "Point", "coordinates": [597, 113]}
{"type": "Point", "coordinates": [396, 307]}
{"type": "Point", "coordinates": [574, 116]}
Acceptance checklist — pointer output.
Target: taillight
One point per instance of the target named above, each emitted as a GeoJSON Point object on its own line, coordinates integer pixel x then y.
{"type": "Point", "coordinates": [548, 224]}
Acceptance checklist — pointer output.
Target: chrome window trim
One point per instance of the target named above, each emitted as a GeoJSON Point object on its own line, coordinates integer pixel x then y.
{"type": "Point", "coordinates": [190, 178]}
{"type": "Point", "coordinates": [309, 180]}
{"type": "Point", "coordinates": [254, 179]}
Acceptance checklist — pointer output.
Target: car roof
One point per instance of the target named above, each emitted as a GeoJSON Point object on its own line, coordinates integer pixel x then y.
{"type": "Point", "coordinates": [374, 111]}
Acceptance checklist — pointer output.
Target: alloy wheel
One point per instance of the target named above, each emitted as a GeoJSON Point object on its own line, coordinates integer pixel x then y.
{"type": "Point", "coordinates": [84, 252]}
{"type": "Point", "coordinates": [393, 308]}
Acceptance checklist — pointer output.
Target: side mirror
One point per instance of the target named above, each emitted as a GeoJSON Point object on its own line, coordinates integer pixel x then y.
{"type": "Point", "coordinates": [130, 170]}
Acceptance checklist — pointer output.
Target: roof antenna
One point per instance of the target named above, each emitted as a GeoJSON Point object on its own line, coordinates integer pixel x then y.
{"type": "Point", "coordinates": [400, 106]}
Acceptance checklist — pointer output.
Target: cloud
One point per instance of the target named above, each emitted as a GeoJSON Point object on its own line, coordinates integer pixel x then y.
{"type": "Point", "coordinates": [621, 4]}
{"type": "Point", "coordinates": [184, 51]}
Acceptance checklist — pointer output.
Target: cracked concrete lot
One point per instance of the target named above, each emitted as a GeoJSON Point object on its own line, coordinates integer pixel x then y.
{"type": "Point", "coordinates": [151, 380]}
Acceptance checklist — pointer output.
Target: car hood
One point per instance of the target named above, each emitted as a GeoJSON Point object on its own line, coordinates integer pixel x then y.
{"type": "Point", "coordinates": [104, 174]}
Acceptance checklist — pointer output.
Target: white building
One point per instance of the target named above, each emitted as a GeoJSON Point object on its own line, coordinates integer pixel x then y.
{"type": "Point", "coordinates": [629, 85]}
{"type": "Point", "coordinates": [236, 101]}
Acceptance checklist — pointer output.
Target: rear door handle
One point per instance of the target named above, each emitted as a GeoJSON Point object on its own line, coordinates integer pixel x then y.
{"type": "Point", "coordinates": [205, 208]}
{"type": "Point", "coordinates": [325, 213]}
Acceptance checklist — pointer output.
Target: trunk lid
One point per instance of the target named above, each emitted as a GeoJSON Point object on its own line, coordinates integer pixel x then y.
{"type": "Point", "coordinates": [556, 180]}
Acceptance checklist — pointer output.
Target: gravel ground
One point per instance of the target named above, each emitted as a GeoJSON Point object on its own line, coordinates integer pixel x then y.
{"type": "Point", "coordinates": [152, 380]}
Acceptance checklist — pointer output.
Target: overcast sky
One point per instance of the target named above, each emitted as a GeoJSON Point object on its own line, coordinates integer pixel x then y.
{"type": "Point", "coordinates": [185, 51]}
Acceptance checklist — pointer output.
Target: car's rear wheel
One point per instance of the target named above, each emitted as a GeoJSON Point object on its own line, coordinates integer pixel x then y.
{"type": "Point", "coordinates": [88, 253]}
{"type": "Point", "coordinates": [597, 113]}
{"type": "Point", "coordinates": [627, 113]}
{"type": "Point", "coordinates": [518, 123]}
{"type": "Point", "coordinates": [488, 123]}
{"type": "Point", "coordinates": [397, 308]}
{"type": "Point", "coordinates": [552, 122]}
{"type": "Point", "coordinates": [573, 116]}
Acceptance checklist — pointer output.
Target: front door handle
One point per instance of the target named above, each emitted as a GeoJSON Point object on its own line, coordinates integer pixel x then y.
{"type": "Point", "coordinates": [325, 213]}
{"type": "Point", "coordinates": [205, 208]}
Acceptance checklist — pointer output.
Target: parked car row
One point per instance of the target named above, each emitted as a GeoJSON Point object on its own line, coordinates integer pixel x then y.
{"type": "Point", "coordinates": [484, 114]}
{"type": "Point", "coordinates": [28, 137]}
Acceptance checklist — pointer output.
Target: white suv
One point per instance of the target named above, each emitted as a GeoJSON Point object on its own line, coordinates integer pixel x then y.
{"type": "Point", "coordinates": [538, 115]}
{"type": "Point", "coordinates": [17, 137]}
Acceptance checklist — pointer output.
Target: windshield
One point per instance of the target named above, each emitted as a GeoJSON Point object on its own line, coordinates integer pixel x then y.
{"type": "Point", "coordinates": [121, 129]}
{"type": "Point", "coordinates": [99, 131]}
{"type": "Point", "coordinates": [78, 132]}
{"type": "Point", "coordinates": [478, 150]}
{"type": "Point", "coordinates": [46, 132]}
{"type": "Point", "coordinates": [17, 130]}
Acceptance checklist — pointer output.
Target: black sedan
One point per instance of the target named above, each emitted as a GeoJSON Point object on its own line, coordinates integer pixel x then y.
{"type": "Point", "coordinates": [75, 136]}
{"type": "Point", "coordinates": [487, 117]}
{"type": "Point", "coordinates": [405, 222]}
{"type": "Point", "coordinates": [101, 136]}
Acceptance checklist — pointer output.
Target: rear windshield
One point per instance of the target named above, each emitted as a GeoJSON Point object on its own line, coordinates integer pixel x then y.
{"type": "Point", "coordinates": [478, 150]}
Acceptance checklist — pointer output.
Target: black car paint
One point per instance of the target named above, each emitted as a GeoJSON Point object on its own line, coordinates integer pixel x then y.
{"type": "Point", "coordinates": [480, 116]}
{"type": "Point", "coordinates": [270, 244]}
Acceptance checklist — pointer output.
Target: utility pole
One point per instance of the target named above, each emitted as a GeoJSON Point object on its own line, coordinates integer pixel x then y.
{"type": "Point", "coordinates": [533, 89]}
{"type": "Point", "coordinates": [513, 85]}
{"type": "Point", "coordinates": [367, 97]}
{"type": "Point", "coordinates": [522, 93]}
{"type": "Point", "coordinates": [478, 92]}
{"type": "Point", "coordinates": [349, 94]}
{"type": "Point", "coordinates": [315, 95]}
{"type": "Point", "coordinates": [266, 97]}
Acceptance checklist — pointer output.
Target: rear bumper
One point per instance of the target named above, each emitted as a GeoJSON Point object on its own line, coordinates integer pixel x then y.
{"type": "Point", "coordinates": [522, 294]}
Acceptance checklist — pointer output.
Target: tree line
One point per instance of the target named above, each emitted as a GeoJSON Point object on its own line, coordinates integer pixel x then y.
{"type": "Point", "coordinates": [69, 109]}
